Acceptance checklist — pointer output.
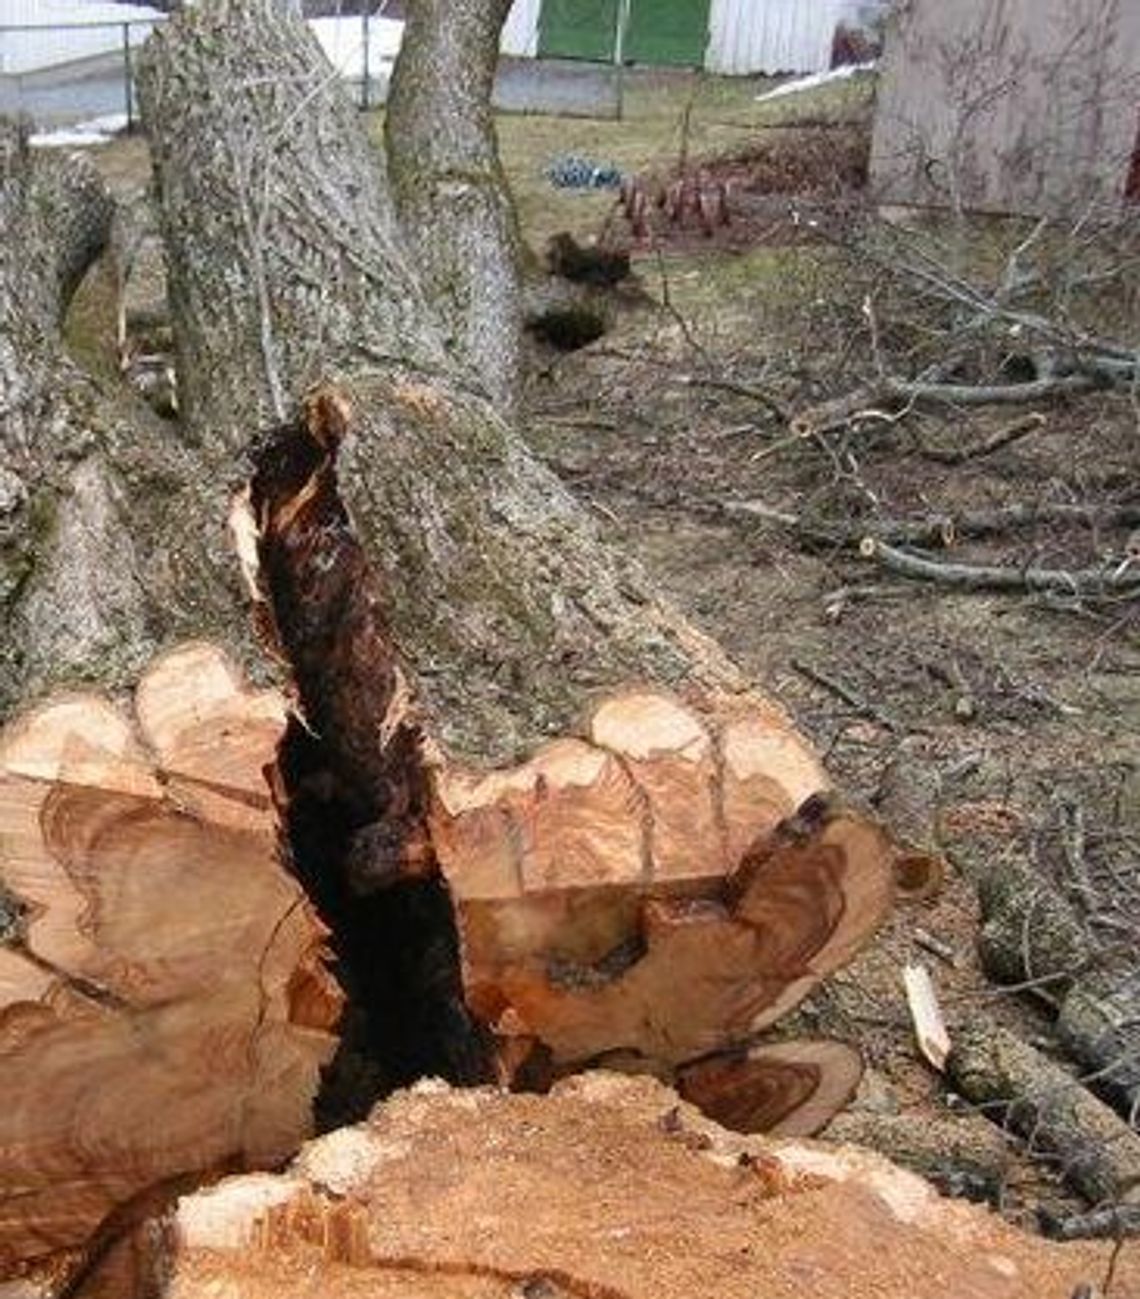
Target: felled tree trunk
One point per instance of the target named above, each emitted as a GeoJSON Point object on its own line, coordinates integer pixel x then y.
{"type": "Point", "coordinates": [163, 1007]}
{"type": "Point", "coordinates": [1094, 1149]}
{"type": "Point", "coordinates": [448, 185]}
{"type": "Point", "coordinates": [643, 855]}
{"type": "Point", "coordinates": [611, 1188]}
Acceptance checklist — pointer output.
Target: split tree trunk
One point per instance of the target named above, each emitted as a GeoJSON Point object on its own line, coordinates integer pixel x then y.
{"type": "Point", "coordinates": [163, 1006]}
{"type": "Point", "coordinates": [497, 693]}
{"type": "Point", "coordinates": [490, 690]}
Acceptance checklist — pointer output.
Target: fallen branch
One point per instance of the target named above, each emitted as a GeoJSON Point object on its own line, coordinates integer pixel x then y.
{"type": "Point", "coordinates": [982, 577]}
{"type": "Point", "coordinates": [1098, 1152]}
{"type": "Point", "coordinates": [1092, 355]}
{"type": "Point", "coordinates": [1098, 1023]}
{"type": "Point", "coordinates": [1115, 1221]}
{"type": "Point", "coordinates": [996, 394]}
{"type": "Point", "coordinates": [1001, 437]}
{"type": "Point", "coordinates": [864, 707]}
{"type": "Point", "coordinates": [865, 402]}
{"type": "Point", "coordinates": [940, 529]}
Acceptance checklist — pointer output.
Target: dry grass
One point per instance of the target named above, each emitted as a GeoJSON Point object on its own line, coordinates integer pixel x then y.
{"type": "Point", "coordinates": [723, 117]}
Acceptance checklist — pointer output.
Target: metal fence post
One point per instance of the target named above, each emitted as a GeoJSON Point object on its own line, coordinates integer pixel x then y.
{"type": "Point", "coordinates": [365, 90]}
{"type": "Point", "coordinates": [621, 20]}
{"type": "Point", "coordinates": [128, 88]}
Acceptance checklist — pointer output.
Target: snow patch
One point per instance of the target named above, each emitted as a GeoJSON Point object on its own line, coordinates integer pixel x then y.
{"type": "Point", "coordinates": [96, 131]}
{"type": "Point", "coordinates": [815, 79]}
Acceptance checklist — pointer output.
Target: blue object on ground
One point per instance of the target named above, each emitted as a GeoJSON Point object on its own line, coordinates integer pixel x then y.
{"type": "Point", "coordinates": [572, 172]}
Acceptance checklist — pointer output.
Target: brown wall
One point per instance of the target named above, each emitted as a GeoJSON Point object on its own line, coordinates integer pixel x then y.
{"type": "Point", "coordinates": [1008, 105]}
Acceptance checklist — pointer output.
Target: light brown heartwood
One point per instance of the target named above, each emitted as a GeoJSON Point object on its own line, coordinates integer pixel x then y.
{"type": "Point", "coordinates": [164, 1004]}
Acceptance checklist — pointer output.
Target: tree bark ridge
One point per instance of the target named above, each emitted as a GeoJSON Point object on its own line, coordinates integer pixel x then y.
{"type": "Point", "coordinates": [112, 538]}
{"type": "Point", "coordinates": [449, 187]}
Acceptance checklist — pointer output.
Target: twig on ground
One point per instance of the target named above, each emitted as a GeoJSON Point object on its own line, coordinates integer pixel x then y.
{"type": "Point", "coordinates": [1001, 437]}
{"type": "Point", "coordinates": [1110, 1270]}
{"type": "Point", "coordinates": [939, 529]}
{"type": "Point", "coordinates": [981, 577]}
{"type": "Point", "coordinates": [581, 421]}
{"type": "Point", "coordinates": [849, 696]}
{"type": "Point", "coordinates": [936, 947]}
{"type": "Point", "coordinates": [865, 403]}
{"type": "Point", "coordinates": [740, 389]}
{"type": "Point", "coordinates": [668, 304]}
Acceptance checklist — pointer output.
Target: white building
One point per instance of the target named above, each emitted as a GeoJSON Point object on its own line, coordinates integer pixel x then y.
{"type": "Point", "coordinates": [724, 36]}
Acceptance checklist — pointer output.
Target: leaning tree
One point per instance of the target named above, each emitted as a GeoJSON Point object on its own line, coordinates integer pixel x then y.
{"type": "Point", "coordinates": [546, 817]}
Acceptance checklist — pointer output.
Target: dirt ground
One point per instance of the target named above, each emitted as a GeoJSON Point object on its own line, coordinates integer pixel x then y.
{"type": "Point", "coordinates": [1021, 710]}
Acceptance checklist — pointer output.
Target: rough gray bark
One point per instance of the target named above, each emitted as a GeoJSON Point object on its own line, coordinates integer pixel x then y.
{"type": "Point", "coordinates": [111, 533]}
{"type": "Point", "coordinates": [448, 184]}
{"type": "Point", "coordinates": [1099, 1024]}
{"type": "Point", "coordinates": [283, 255]}
{"type": "Point", "coordinates": [286, 267]}
{"type": "Point", "coordinates": [1096, 1150]}
{"type": "Point", "coordinates": [1032, 935]}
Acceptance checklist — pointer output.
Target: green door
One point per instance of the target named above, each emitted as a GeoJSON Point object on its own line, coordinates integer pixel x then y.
{"type": "Point", "coordinates": [578, 29]}
{"type": "Point", "coordinates": [667, 31]}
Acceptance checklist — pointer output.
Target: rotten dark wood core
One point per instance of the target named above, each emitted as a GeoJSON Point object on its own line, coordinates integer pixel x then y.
{"type": "Point", "coordinates": [359, 784]}
{"type": "Point", "coordinates": [329, 611]}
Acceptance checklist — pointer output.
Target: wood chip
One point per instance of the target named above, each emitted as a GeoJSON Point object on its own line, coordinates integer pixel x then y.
{"type": "Point", "coordinates": [926, 1015]}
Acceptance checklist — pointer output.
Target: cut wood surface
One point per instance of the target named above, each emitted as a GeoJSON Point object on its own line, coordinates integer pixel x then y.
{"type": "Point", "coordinates": [668, 886]}
{"type": "Point", "coordinates": [164, 1005]}
{"type": "Point", "coordinates": [611, 1188]}
{"type": "Point", "coordinates": [786, 1089]}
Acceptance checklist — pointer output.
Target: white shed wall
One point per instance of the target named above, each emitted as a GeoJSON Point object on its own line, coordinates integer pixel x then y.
{"type": "Point", "coordinates": [520, 31]}
{"type": "Point", "coordinates": [772, 35]}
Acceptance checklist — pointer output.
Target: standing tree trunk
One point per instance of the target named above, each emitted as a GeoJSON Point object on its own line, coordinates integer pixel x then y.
{"type": "Point", "coordinates": [111, 532]}
{"type": "Point", "coordinates": [450, 192]}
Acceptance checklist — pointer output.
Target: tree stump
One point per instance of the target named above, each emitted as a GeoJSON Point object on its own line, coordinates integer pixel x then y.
{"type": "Point", "coordinates": [642, 853]}
{"type": "Point", "coordinates": [611, 1188]}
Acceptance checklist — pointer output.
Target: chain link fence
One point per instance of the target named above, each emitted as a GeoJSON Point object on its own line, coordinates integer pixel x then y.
{"type": "Point", "coordinates": [62, 74]}
{"type": "Point", "coordinates": [66, 73]}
